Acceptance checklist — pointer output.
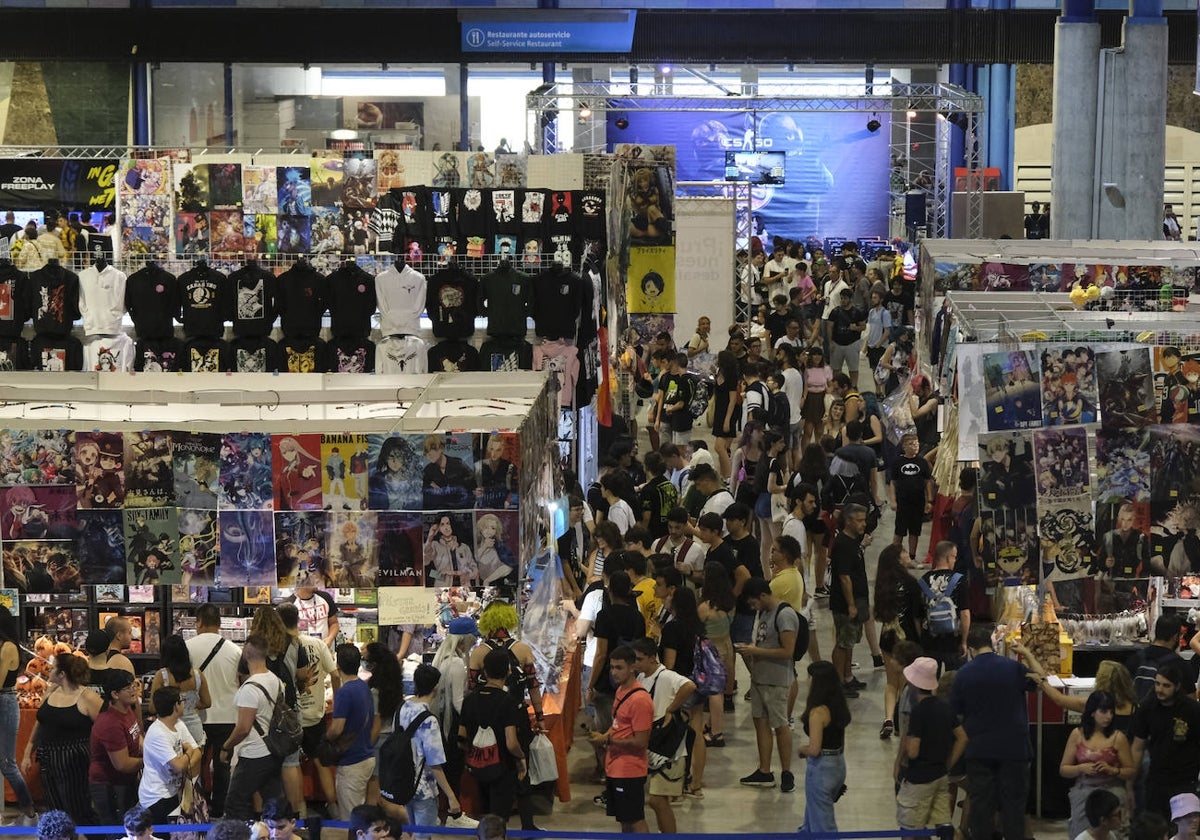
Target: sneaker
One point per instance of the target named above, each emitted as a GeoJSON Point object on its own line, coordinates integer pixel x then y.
{"type": "Point", "coordinates": [729, 702]}
{"type": "Point", "coordinates": [787, 782]}
{"type": "Point", "coordinates": [461, 821]}
{"type": "Point", "coordinates": [886, 730]}
{"type": "Point", "coordinates": [877, 661]}
{"type": "Point", "coordinates": [600, 799]}
{"type": "Point", "coordinates": [849, 691]}
{"type": "Point", "coordinates": [822, 592]}
{"type": "Point", "coordinates": [714, 741]}
{"type": "Point", "coordinates": [857, 683]}
{"type": "Point", "coordinates": [759, 779]}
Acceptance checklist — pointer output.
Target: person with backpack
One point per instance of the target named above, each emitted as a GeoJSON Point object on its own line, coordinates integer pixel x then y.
{"type": "Point", "coordinates": [625, 743]}
{"type": "Point", "coordinates": [671, 693]}
{"type": "Point", "coordinates": [777, 632]}
{"type": "Point", "coordinates": [487, 732]}
{"type": "Point", "coordinates": [852, 469]}
{"type": "Point", "coordinates": [788, 585]}
{"type": "Point", "coordinates": [686, 552]}
{"type": "Point", "coordinates": [416, 724]}
{"type": "Point", "coordinates": [658, 496]}
{"type": "Point", "coordinates": [258, 770]}
{"type": "Point", "coordinates": [676, 389]}
{"type": "Point", "coordinates": [947, 610]}
{"type": "Point", "coordinates": [755, 396]}
{"type": "Point", "coordinates": [353, 714]}
{"type": "Point", "coordinates": [777, 416]}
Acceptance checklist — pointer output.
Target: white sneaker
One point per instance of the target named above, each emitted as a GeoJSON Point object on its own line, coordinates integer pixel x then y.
{"type": "Point", "coordinates": [461, 821]}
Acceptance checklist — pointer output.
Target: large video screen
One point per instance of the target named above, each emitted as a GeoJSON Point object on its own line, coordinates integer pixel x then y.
{"type": "Point", "coordinates": [756, 167]}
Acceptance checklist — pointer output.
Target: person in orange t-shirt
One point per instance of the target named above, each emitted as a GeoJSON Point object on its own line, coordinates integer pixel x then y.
{"type": "Point", "coordinates": [626, 762]}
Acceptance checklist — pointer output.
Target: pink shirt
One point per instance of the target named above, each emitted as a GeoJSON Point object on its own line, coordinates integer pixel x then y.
{"type": "Point", "coordinates": [817, 378]}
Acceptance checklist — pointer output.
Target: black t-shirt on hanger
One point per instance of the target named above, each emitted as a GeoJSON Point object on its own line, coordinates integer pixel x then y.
{"type": "Point", "coordinates": [505, 212]}
{"type": "Point", "coordinates": [351, 301]}
{"type": "Point", "coordinates": [385, 219]}
{"type": "Point", "coordinates": [206, 355]}
{"type": "Point", "coordinates": [159, 355]}
{"type": "Point", "coordinates": [591, 224]}
{"type": "Point", "coordinates": [350, 355]}
{"type": "Point", "coordinates": [302, 300]}
{"type": "Point", "coordinates": [253, 354]}
{"type": "Point", "coordinates": [474, 221]}
{"type": "Point", "coordinates": [532, 212]}
{"type": "Point", "coordinates": [453, 357]}
{"type": "Point", "coordinates": [557, 302]}
{"type": "Point", "coordinates": [254, 300]}
{"type": "Point", "coordinates": [301, 355]}
{"type": "Point", "coordinates": [451, 298]}
{"type": "Point", "coordinates": [55, 353]}
{"type": "Point", "coordinates": [562, 239]}
{"type": "Point", "coordinates": [153, 300]}
{"type": "Point", "coordinates": [506, 299]}
{"type": "Point", "coordinates": [505, 354]}
{"type": "Point", "coordinates": [53, 299]}
{"type": "Point", "coordinates": [14, 353]}
{"type": "Point", "coordinates": [14, 299]}
{"type": "Point", "coordinates": [443, 233]}
{"type": "Point", "coordinates": [207, 301]}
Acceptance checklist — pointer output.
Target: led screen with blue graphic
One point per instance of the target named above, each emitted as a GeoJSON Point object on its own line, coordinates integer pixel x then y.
{"type": "Point", "coordinates": [835, 177]}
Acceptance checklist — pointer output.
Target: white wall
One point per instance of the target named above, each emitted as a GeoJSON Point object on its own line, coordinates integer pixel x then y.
{"type": "Point", "coordinates": [703, 265]}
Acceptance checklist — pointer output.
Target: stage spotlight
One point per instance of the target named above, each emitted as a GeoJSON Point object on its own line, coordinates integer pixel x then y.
{"type": "Point", "coordinates": [621, 123]}
{"type": "Point", "coordinates": [912, 115]}
{"type": "Point", "coordinates": [665, 69]}
{"type": "Point", "coordinates": [585, 111]}
{"type": "Point", "coordinates": [873, 125]}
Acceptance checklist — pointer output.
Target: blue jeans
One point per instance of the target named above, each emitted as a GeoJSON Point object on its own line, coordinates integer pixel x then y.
{"type": "Point", "coordinates": [823, 778]}
{"type": "Point", "coordinates": [423, 812]}
{"type": "Point", "coordinates": [10, 721]}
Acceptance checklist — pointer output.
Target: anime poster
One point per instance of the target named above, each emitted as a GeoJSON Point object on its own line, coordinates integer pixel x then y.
{"type": "Point", "coordinates": [357, 230]}
{"type": "Point", "coordinates": [1068, 540]}
{"type": "Point", "coordinates": [1069, 393]}
{"type": "Point", "coordinates": [353, 549]}
{"type": "Point", "coordinates": [101, 547]}
{"type": "Point", "coordinates": [1175, 537]}
{"type": "Point", "coordinates": [196, 459]}
{"type": "Point", "coordinates": [446, 170]}
{"type": "Point", "coordinates": [191, 234]}
{"type": "Point", "coordinates": [192, 188]}
{"type": "Point", "coordinates": [1123, 539]}
{"type": "Point", "coordinates": [296, 462]}
{"type": "Point", "coordinates": [481, 168]}
{"type": "Point", "coordinates": [497, 546]}
{"type": "Point", "coordinates": [400, 534]}
{"type": "Point", "coordinates": [110, 593]}
{"type": "Point", "coordinates": [497, 470]}
{"type": "Point", "coordinates": [449, 549]}
{"type": "Point", "coordinates": [390, 173]}
{"type": "Point", "coordinates": [293, 234]}
{"type": "Point", "coordinates": [1126, 388]}
{"type": "Point", "coordinates": [512, 171]}
{"type": "Point", "coordinates": [149, 479]}
{"type": "Point", "coordinates": [67, 625]}
{"type": "Point", "coordinates": [1014, 400]}
{"type": "Point", "coordinates": [145, 227]}
{"type": "Point", "coordinates": [327, 178]}
{"type": "Point", "coordinates": [1006, 474]}
{"type": "Point", "coordinates": [42, 566]}
{"type": "Point", "coordinates": [1123, 465]}
{"type": "Point", "coordinates": [258, 190]}
{"type": "Point", "coordinates": [1174, 462]}
{"type": "Point", "coordinates": [649, 205]}
{"type": "Point", "coordinates": [228, 236]}
{"type": "Point", "coordinates": [144, 177]}
{"type": "Point", "coordinates": [38, 512]}
{"type": "Point", "coordinates": [301, 558]}
{"type": "Point", "coordinates": [360, 188]}
{"type": "Point", "coordinates": [225, 186]}
{"type": "Point", "coordinates": [345, 478]}
{"type": "Point", "coordinates": [1010, 546]}
{"type": "Point", "coordinates": [651, 280]}
{"type": "Point", "coordinates": [1176, 385]}
{"type": "Point", "coordinates": [151, 546]}
{"type": "Point", "coordinates": [395, 468]}
{"type": "Point", "coordinates": [199, 547]}
{"type": "Point", "coordinates": [1002, 277]}
{"type": "Point", "coordinates": [448, 476]}
{"type": "Point", "coordinates": [247, 548]}
{"type": "Point", "coordinates": [245, 482]}
{"type": "Point", "coordinates": [646, 327]}
{"type": "Point", "coordinates": [294, 190]}
{"type": "Point", "coordinates": [1061, 465]}
{"type": "Point", "coordinates": [328, 232]}
{"type": "Point", "coordinates": [153, 631]}
{"type": "Point", "coordinates": [99, 470]}
{"type": "Point", "coordinates": [36, 456]}
{"type": "Point", "coordinates": [261, 233]}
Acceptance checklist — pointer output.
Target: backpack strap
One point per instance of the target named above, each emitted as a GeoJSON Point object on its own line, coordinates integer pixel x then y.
{"type": "Point", "coordinates": [921, 582]}
{"type": "Point", "coordinates": [273, 703]}
{"type": "Point", "coordinates": [632, 692]}
{"type": "Point", "coordinates": [211, 654]}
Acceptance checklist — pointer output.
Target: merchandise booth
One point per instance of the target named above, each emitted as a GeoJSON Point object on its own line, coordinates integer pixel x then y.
{"type": "Point", "coordinates": [1086, 425]}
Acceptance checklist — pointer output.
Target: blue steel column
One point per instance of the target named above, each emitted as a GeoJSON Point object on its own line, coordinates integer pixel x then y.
{"type": "Point", "coordinates": [464, 110]}
{"type": "Point", "coordinates": [1145, 145]}
{"type": "Point", "coordinates": [957, 76]}
{"type": "Point", "coordinates": [1001, 113]}
{"type": "Point", "coordinates": [550, 119]}
{"type": "Point", "coordinates": [1076, 87]}
{"type": "Point", "coordinates": [141, 103]}
{"type": "Point", "coordinates": [229, 104]}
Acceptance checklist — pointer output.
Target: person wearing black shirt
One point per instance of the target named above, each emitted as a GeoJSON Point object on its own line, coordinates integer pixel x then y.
{"type": "Point", "coordinates": [911, 491]}
{"type": "Point", "coordinates": [301, 299]}
{"type": "Point", "coordinates": [1168, 725]}
{"type": "Point", "coordinates": [491, 705]}
{"type": "Point", "coordinates": [745, 551]}
{"type": "Point", "coordinates": [619, 622]}
{"type": "Point", "coordinates": [447, 481]}
{"type": "Point", "coordinates": [675, 391]}
{"type": "Point", "coordinates": [777, 319]}
{"type": "Point", "coordinates": [506, 299]}
{"type": "Point", "coordinates": [934, 742]}
{"type": "Point", "coordinates": [207, 301]}
{"type": "Point", "coordinates": [849, 593]}
{"type": "Point", "coordinates": [658, 497]}
{"type": "Point", "coordinates": [254, 300]}
{"type": "Point", "coordinates": [846, 329]}
{"type": "Point", "coordinates": [10, 226]}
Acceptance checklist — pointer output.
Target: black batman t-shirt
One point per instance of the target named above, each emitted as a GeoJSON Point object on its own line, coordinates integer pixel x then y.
{"type": "Point", "coordinates": [153, 300]}
{"type": "Point", "coordinates": [253, 354]}
{"type": "Point", "coordinates": [160, 355]}
{"type": "Point", "coordinates": [351, 301]}
{"type": "Point", "coordinates": [254, 300]}
{"type": "Point", "coordinates": [206, 301]}
{"type": "Point", "coordinates": [451, 298]}
{"type": "Point", "coordinates": [453, 357]}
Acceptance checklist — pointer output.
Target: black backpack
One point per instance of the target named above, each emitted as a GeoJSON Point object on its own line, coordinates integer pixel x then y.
{"type": "Point", "coordinates": [399, 774]}
{"type": "Point", "coordinates": [779, 413]}
{"type": "Point", "coordinates": [801, 647]}
{"type": "Point", "coordinates": [284, 732]}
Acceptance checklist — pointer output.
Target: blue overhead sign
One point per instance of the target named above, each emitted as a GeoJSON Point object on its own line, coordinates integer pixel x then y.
{"type": "Point", "coordinates": [587, 32]}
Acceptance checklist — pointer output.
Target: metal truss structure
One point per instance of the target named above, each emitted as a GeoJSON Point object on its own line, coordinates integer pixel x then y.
{"type": "Point", "coordinates": [84, 152]}
{"type": "Point", "coordinates": [951, 105]}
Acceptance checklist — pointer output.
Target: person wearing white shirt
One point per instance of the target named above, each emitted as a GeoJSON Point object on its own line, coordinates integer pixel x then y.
{"type": "Point", "coordinates": [716, 497]}
{"type": "Point", "coordinates": [793, 389]}
{"type": "Point", "coordinates": [671, 693]}
{"type": "Point", "coordinates": [686, 552]}
{"type": "Point", "coordinates": [257, 770]}
{"type": "Point", "coordinates": [168, 753]}
{"type": "Point", "coordinates": [216, 658]}
{"type": "Point", "coordinates": [619, 511]}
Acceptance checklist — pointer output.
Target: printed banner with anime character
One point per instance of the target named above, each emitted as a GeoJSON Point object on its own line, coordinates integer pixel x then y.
{"type": "Point", "coordinates": [1010, 546]}
{"type": "Point", "coordinates": [345, 478]}
{"type": "Point", "coordinates": [497, 546]}
{"type": "Point", "coordinates": [1174, 462]}
{"type": "Point", "coordinates": [42, 456]}
{"type": "Point", "coordinates": [448, 550]}
{"type": "Point", "coordinates": [1068, 540]}
{"type": "Point", "coordinates": [1006, 474]}
{"type": "Point", "coordinates": [1069, 393]}
{"type": "Point", "coordinates": [1014, 399]}
{"type": "Point", "coordinates": [395, 463]}
{"type": "Point", "coordinates": [301, 548]}
{"type": "Point", "coordinates": [259, 193]}
{"type": "Point", "coordinates": [247, 548]}
{"type": "Point", "coordinates": [149, 480]}
{"type": "Point", "coordinates": [1177, 384]}
{"type": "Point", "coordinates": [151, 547]}
{"type": "Point", "coordinates": [199, 547]}
{"type": "Point", "coordinates": [448, 477]}
{"type": "Point", "coordinates": [225, 186]}
{"type": "Point", "coordinates": [1175, 537]}
{"type": "Point", "coordinates": [353, 549]}
{"type": "Point", "coordinates": [497, 470]}
{"type": "Point", "coordinates": [99, 470]}
{"type": "Point", "coordinates": [101, 549]}
{"type": "Point", "coordinates": [1002, 277]}
{"type": "Point", "coordinates": [1126, 388]}
{"type": "Point", "coordinates": [651, 284]}
{"type": "Point", "coordinates": [42, 566]}
{"type": "Point", "coordinates": [360, 190]}
{"type": "Point", "coordinates": [38, 512]}
{"type": "Point", "coordinates": [1123, 465]}
{"type": "Point", "coordinates": [1123, 539]}
{"type": "Point", "coordinates": [245, 481]}
{"type": "Point", "coordinates": [196, 460]}
{"type": "Point", "coordinates": [400, 535]}
{"type": "Point", "coordinates": [1061, 465]}
{"type": "Point", "coordinates": [296, 462]}
{"type": "Point", "coordinates": [327, 170]}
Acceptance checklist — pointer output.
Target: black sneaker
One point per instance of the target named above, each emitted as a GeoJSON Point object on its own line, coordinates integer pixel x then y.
{"type": "Point", "coordinates": [759, 779]}
{"type": "Point", "coordinates": [877, 661]}
{"type": "Point", "coordinates": [787, 782]}
{"type": "Point", "coordinates": [601, 800]}
{"type": "Point", "coordinates": [849, 691]}
{"type": "Point", "coordinates": [822, 592]}
{"type": "Point", "coordinates": [856, 684]}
